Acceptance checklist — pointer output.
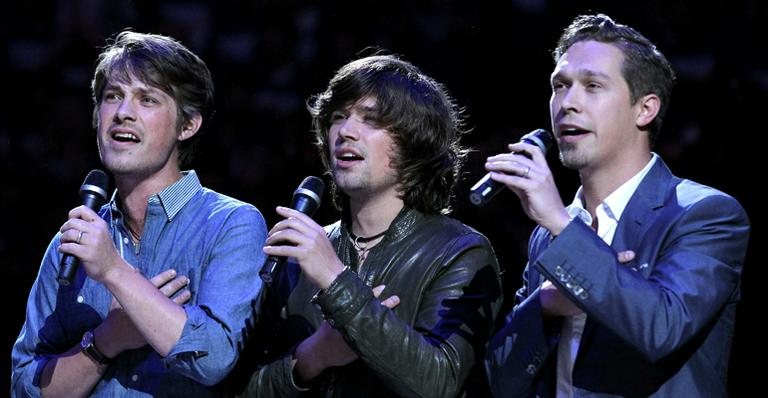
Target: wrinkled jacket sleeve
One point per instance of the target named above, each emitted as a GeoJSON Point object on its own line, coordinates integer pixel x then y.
{"type": "Point", "coordinates": [452, 325]}
{"type": "Point", "coordinates": [517, 352]}
{"type": "Point", "coordinates": [695, 265]}
{"type": "Point", "coordinates": [215, 329]}
{"type": "Point", "coordinates": [274, 380]}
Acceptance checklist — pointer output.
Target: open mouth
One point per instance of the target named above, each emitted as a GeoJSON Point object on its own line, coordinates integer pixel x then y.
{"type": "Point", "coordinates": [125, 137]}
{"type": "Point", "coordinates": [348, 157]}
{"type": "Point", "coordinates": [573, 131]}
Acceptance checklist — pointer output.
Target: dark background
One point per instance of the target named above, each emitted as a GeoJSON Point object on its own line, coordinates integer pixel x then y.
{"type": "Point", "coordinates": [268, 57]}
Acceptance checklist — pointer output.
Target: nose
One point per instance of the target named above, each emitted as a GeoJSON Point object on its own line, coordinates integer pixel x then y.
{"type": "Point", "coordinates": [349, 129]}
{"type": "Point", "coordinates": [124, 111]}
{"type": "Point", "coordinates": [570, 100]}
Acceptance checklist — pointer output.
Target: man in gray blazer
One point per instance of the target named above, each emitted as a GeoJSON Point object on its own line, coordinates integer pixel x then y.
{"type": "Point", "coordinates": [584, 323]}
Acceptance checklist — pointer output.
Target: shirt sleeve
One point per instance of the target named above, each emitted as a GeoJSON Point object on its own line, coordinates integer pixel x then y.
{"type": "Point", "coordinates": [227, 294]}
{"type": "Point", "coordinates": [42, 334]}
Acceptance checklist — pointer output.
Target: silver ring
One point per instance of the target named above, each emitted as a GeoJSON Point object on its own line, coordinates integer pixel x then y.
{"type": "Point", "coordinates": [527, 170]}
{"type": "Point", "coordinates": [79, 236]}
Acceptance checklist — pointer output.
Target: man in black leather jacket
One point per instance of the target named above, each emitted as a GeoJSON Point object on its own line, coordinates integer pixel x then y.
{"type": "Point", "coordinates": [388, 135]}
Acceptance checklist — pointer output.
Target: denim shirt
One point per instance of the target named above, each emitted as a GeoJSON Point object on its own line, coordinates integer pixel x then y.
{"type": "Point", "coordinates": [214, 240]}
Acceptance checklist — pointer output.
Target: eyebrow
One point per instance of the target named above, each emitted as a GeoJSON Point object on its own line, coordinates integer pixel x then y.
{"type": "Point", "coordinates": [593, 73]}
{"type": "Point", "coordinates": [581, 73]}
{"type": "Point", "coordinates": [146, 89]}
{"type": "Point", "coordinates": [365, 108]}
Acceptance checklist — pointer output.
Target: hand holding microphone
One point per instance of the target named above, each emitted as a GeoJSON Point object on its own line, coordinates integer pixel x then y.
{"type": "Point", "coordinates": [93, 194]}
{"type": "Point", "coordinates": [529, 176]}
{"type": "Point", "coordinates": [306, 200]}
{"type": "Point", "coordinates": [485, 189]}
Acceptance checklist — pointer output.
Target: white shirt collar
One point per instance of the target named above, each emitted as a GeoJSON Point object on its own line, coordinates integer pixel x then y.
{"type": "Point", "coordinates": [615, 203]}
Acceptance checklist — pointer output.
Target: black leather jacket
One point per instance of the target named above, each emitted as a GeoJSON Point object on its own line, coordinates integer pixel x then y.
{"type": "Point", "coordinates": [446, 276]}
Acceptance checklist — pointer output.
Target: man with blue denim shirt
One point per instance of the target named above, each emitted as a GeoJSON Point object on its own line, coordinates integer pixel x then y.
{"type": "Point", "coordinates": [114, 331]}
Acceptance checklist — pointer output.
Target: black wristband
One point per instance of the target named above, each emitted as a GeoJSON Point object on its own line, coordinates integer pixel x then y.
{"type": "Point", "coordinates": [88, 348]}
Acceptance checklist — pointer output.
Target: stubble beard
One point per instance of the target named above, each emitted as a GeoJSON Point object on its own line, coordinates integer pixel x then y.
{"type": "Point", "coordinates": [571, 157]}
{"type": "Point", "coordinates": [349, 181]}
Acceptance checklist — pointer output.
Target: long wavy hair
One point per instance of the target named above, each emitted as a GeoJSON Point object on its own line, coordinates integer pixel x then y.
{"type": "Point", "coordinates": [422, 118]}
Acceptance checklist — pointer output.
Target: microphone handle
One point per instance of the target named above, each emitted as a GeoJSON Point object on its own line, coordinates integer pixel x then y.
{"type": "Point", "coordinates": [67, 269]}
{"type": "Point", "coordinates": [485, 189]}
{"type": "Point", "coordinates": [269, 269]}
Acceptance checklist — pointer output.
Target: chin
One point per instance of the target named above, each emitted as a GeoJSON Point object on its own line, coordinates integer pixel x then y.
{"type": "Point", "coordinates": [573, 160]}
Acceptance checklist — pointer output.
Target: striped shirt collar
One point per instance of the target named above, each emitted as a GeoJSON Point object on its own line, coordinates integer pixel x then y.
{"type": "Point", "coordinates": [173, 197]}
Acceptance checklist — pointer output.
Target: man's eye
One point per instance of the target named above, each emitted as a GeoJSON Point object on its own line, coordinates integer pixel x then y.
{"type": "Point", "coordinates": [336, 116]}
{"type": "Point", "coordinates": [150, 100]}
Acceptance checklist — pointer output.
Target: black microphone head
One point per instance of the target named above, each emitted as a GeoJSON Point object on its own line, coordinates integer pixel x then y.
{"type": "Point", "coordinates": [306, 198]}
{"type": "Point", "coordinates": [97, 182]}
{"type": "Point", "coordinates": [539, 137]}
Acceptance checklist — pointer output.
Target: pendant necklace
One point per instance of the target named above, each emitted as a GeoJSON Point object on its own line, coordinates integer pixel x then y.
{"type": "Point", "coordinates": [361, 243]}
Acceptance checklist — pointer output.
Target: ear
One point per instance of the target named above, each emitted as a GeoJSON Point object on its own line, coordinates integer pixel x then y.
{"type": "Point", "coordinates": [647, 108]}
{"type": "Point", "coordinates": [191, 126]}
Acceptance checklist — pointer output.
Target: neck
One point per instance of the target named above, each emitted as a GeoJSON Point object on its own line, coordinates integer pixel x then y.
{"type": "Point", "coordinates": [373, 215]}
{"type": "Point", "coordinates": [134, 195]}
{"type": "Point", "coordinates": [598, 183]}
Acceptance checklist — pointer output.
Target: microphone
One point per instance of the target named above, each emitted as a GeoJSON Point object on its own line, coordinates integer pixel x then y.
{"type": "Point", "coordinates": [485, 189]}
{"type": "Point", "coordinates": [306, 199]}
{"type": "Point", "coordinates": [93, 194]}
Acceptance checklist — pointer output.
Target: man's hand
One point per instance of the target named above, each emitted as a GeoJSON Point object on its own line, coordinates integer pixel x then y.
{"type": "Point", "coordinates": [300, 237]}
{"type": "Point", "coordinates": [531, 180]}
{"type": "Point", "coordinates": [555, 303]}
{"type": "Point", "coordinates": [118, 333]}
{"type": "Point", "coordinates": [87, 236]}
{"type": "Point", "coordinates": [326, 347]}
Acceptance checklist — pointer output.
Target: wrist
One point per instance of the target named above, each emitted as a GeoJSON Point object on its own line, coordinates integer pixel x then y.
{"type": "Point", "coordinates": [91, 350]}
{"type": "Point", "coordinates": [115, 273]}
{"type": "Point", "coordinates": [558, 225]}
{"type": "Point", "coordinates": [297, 379]}
{"type": "Point", "coordinates": [303, 370]}
{"type": "Point", "coordinates": [332, 276]}
{"type": "Point", "coordinates": [104, 343]}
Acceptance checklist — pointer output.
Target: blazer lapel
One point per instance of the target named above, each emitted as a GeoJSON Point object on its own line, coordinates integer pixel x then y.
{"type": "Point", "coordinates": [647, 199]}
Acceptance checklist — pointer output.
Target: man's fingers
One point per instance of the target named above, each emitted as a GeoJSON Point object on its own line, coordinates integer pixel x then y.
{"type": "Point", "coordinates": [182, 297]}
{"type": "Point", "coordinates": [391, 302]}
{"type": "Point", "coordinates": [174, 286]}
{"type": "Point", "coordinates": [163, 277]}
{"type": "Point", "coordinates": [626, 256]}
{"type": "Point", "coordinates": [377, 290]}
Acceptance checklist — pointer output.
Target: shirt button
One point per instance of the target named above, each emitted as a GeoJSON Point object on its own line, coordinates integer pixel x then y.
{"type": "Point", "coordinates": [135, 377]}
{"type": "Point", "coordinates": [80, 299]}
{"type": "Point", "coordinates": [531, 370]}
{"type": "Point", "coordinates": [125, 240]}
